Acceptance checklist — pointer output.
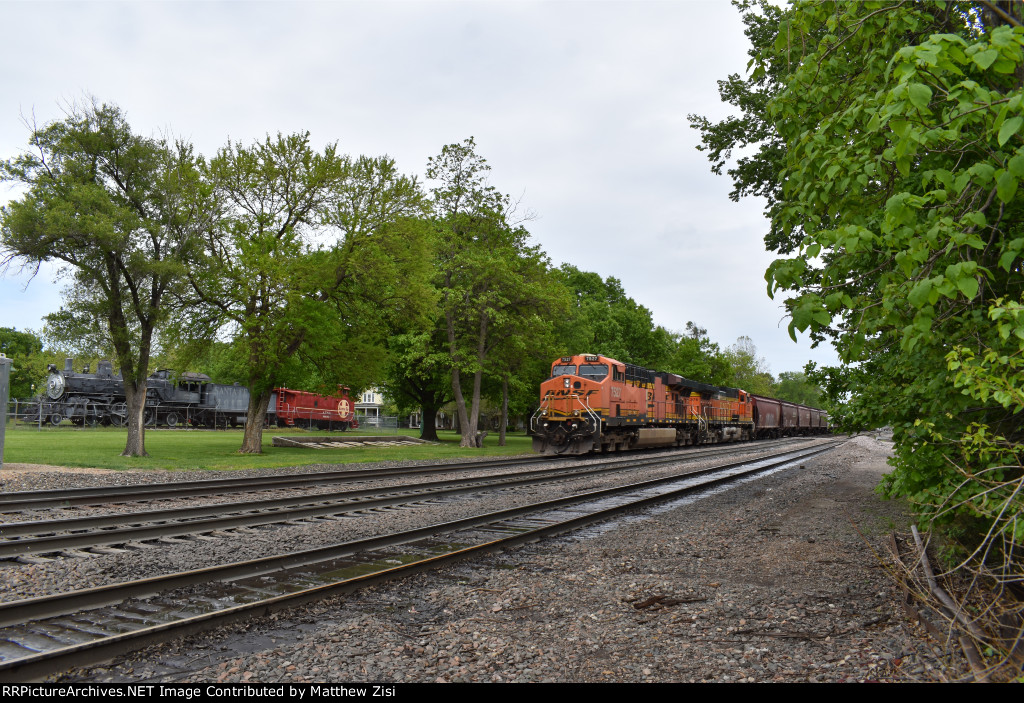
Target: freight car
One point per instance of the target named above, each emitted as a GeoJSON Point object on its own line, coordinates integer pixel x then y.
{"type": "Point", "coordinates": [303, 409]}
{"type": "Point", "coordinates": [594, 403]}
{"type": "Point", "coordinates": [174, 399]}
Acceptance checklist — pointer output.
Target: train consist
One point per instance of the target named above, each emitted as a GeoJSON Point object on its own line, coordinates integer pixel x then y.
{"type": "Point", "coordinates": [594, 403]}
{"type": "Point", "coordinates": [179, 399]}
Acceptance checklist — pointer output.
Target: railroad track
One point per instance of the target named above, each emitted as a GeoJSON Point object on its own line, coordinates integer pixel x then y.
{"type": "Point", "coordinates": [36, 500]}
{"type": "Point", "coordinates": [70, 536]}
{"type": "Point", "coordinates": [23, 501]}
{"type": "Point", "coordinates": [52, 633]}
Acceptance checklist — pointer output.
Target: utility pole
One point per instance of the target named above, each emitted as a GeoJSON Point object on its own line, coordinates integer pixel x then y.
{"type": "Point", "coordinates": [5, 385]}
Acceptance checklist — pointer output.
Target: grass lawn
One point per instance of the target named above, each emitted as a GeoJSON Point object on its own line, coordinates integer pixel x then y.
{"type": "Point", "coordinates": [206, 449]}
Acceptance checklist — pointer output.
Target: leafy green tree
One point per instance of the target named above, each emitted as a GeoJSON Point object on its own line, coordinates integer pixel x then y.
{"type": "Point", "coordinates": [695, 356]}
{"type": "Point", "coordinates": [419, 375]}
{"type": "Point", "coordinates": [749, 371]}
{"type": "Point", "coordinates": [122, 213]}
{"type": "Point", "coordinates": [796, 387]}
{"type": "Point", "coordinates": [898, 152]}
{"type": "Point", "coordinates": [28, 367]}
{"type": "Point", "coordinates": [490, 280]}
{"type": "Point", "coordinates": [311, 259]}
{"type": "Point", "coordinates": [523, 347]}
{"type": "Point", "coordinates": [602, 319]}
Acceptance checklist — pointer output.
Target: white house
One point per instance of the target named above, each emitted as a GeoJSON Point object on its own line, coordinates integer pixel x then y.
{"type": "Point", "coordinates": [369, 405]}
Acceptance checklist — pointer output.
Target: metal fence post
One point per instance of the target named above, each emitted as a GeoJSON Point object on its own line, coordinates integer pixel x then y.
{"type": "Point", "coordinates": [5, 385]}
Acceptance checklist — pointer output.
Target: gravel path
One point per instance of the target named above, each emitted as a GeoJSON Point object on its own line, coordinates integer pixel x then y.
{"type": "Point", "coordinates": [773, 580]}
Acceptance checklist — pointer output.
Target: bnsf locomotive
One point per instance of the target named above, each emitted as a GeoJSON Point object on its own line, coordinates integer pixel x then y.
{"type": "Point", "coordinates": [179, 399]}
{"type": "Point", "coordinates": [593, 403]}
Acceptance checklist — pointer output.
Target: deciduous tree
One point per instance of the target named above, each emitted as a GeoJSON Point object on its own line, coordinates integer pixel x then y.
{"type": "Point", "coordinates": [490, 280]}
{"type": "Point", "coordinates": [897, 153]}
{"type": "Point", "coordinates": [26, 351]}
{"type": "Point", "coordinates": [313, 256]}
{"type": "Point", "coordinates": [123, 213]}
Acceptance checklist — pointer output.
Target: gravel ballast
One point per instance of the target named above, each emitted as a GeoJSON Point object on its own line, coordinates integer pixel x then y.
{"type": "Point", "coordinates": [778, 579]}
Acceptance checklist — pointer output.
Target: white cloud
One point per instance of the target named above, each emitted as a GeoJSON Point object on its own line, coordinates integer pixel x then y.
{"type": "Point", "coordinates": [579, 106]}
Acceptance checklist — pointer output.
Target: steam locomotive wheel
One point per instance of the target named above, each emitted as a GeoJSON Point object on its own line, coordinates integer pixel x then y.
{"type": "Point", "coordinates": [56, 419]}
{"type": "Point", "coordinates": [172, 419]}
{"type": "Point", "coordinates": [149, 418]}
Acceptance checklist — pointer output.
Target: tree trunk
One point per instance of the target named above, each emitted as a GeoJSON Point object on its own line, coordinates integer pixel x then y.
{"type": "Point", "coordinates": [252, 440]}
{"type": "Point", "coordinates": [460, 400]}
{"type": "Point", "coordinates": [469, 436]}
{"type": "Point", "coordinates": [467, 432]}
{"type": "Point", "coordinates": [504, 411]}
{"type": "Point", "coordinates": [135, 399]}
{"type": "Point", "coordinates": [428, 422]}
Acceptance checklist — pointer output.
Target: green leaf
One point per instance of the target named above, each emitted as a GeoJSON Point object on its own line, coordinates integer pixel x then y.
{"type": "Point", "coordinates": [1006, 186]}
{"type": "Point", "coordinates": [984, 59]}
{"type": "Point", "coordinates": [1010, 127]}
{"type": "Point", "coordinates": [1016, 166]}
{"type": "Point", "coordinates": [968, 286]}
{"type": "Point", "coordinates": [920, 95]}
{"type": "Point", "coordinates": [983, 171]}
{"type": "Point", "coordinates": [919, 293]}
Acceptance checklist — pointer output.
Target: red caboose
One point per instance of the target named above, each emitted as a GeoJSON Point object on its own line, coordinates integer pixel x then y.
{"type": "Point", "coordinates": [304, 409]}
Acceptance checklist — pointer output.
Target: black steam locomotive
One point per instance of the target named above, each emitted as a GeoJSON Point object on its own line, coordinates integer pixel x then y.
{"type": "Point", "coordinates": [172, 399]}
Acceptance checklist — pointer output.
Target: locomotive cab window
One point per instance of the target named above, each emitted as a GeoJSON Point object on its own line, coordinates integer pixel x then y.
{"type": "Point", "coordinates": [594, 372]}
{"type": "Point", "coordinates": [563, 370]}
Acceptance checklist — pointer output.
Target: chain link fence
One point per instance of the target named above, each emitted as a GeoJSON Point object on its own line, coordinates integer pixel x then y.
{"type": "Point", "coordinates": [379, 424]}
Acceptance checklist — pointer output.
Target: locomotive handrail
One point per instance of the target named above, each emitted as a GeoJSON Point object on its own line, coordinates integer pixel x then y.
{"type": "Point", "coordinates": [546, 401]}
{"type": "Point", "coordinates": [574, 396]}
{"type": "Point", "coordinates": [593, 415]}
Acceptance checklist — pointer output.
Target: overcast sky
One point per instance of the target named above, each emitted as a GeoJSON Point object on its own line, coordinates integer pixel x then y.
{"type": "Point", "coordinates": [579, 107]}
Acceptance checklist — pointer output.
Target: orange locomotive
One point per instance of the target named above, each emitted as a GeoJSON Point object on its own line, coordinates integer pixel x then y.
{"type": "Point", "coordinates": [594, 403]}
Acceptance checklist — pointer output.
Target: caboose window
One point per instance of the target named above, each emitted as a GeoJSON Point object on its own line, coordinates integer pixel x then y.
{"type": "Point", "coordinates": [594, 371]}
{"type": "Point", "coordinates": [563, 370]}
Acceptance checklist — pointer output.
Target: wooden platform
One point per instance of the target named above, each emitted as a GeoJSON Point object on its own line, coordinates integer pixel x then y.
{"type": "Point", "coordinates": [346, 442]}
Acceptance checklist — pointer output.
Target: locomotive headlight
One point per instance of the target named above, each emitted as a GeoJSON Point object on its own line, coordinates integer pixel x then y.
{"type": "Point", "coordinates": [566, 381]}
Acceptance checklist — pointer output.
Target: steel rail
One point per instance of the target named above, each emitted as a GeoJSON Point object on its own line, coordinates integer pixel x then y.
{"type": "Point", "coordinates": [111, 529]}
{"type": "Point", "coordinates": [44, 663]}
{"type": "Point", "coordinates": [20, 501]}
{"type": "Point", "coordinates": [32, 500]}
